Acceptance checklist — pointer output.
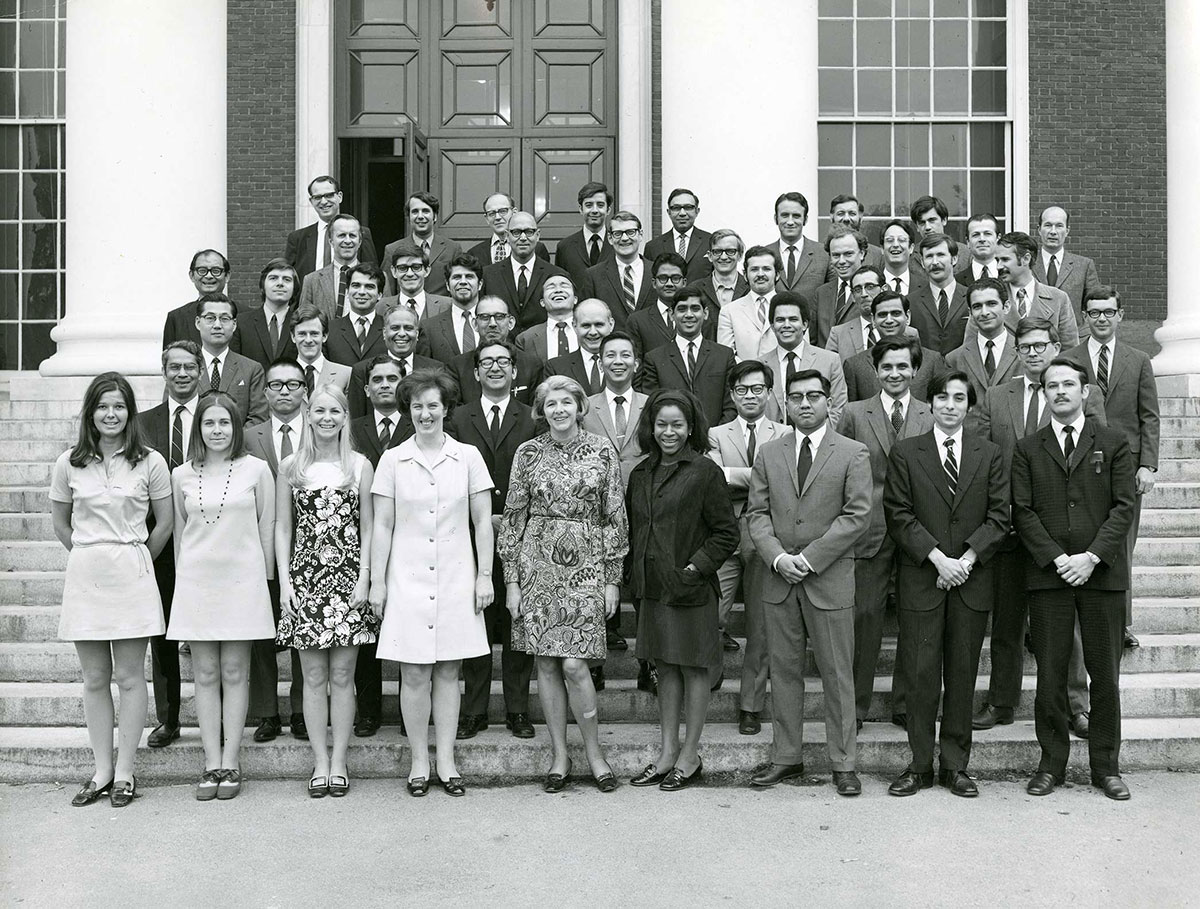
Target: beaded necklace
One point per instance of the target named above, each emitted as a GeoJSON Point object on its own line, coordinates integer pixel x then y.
{"type": "Point", "coordinates": [200, 493]}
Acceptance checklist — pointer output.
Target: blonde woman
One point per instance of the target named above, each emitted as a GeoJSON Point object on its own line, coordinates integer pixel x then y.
{"type": "Point", "coordinates": [322, 544]}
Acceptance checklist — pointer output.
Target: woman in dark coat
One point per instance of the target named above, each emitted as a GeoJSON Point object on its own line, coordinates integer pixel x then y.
{"type": "Point", "coordinates": [681, 528]}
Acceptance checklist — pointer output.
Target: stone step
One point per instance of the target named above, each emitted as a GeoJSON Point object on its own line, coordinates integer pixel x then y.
{"type": "Point", "coordinates": [25, 473]}
{"type": "Point", "coordinates": [1179, 427]}
{"type": "Point", "coordinates": [26, 526]}
{"type": "Point", "coordinates": [1170, 581]}
{"type": "Point", "coordinates": [1173, 495]}
{"type": "Point", "coordinates": [64, 431]}
{"type": "Point", "coordinates": [1178, 407]}
{"type": "Point", "coordinates": [27, 499]}
{"type": "Point", "coordinates": [1179, 448]}
{"type": "Point", "coordinates": [1178, 470]}
{"type": "Point", "coordinates": [30, 449]}
{"type": "Point", "coordinates": [28, 411]}
{"type": "Point", "coordinates": [1167, 551]}
{"type": "Point", "coordinates": [1169, 522]}
{"type": "Point", "coordinates": [31, 588]}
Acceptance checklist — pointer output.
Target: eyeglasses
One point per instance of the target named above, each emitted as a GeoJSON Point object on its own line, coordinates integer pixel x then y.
{"type": "Point", "coordinates": [290, 385]}
{"type": "Point", "coordinates": [669, 279]}
{"type": "Point", "coordinates": [174, 368]}
{"type": "Point", "coordinates": [625, 234]}
{"type": "Point", "coordinates": [865, 288]}
{"type": "Point", "coordinates": [211, 318]}
{"type": "Point", "coordinates": [407, 268]}
{"type": "Point", "coordinates": [742, 390]}
{"type": "Point", "coordinates": [216, 271]}
{"type": "Point", "coordinates": [324, 197]}
{"type": "Point", "coordinates": [1107, 314]}
{"type": "Point", "coordinates": [497, 212]}
{"type": "Point", "coordinates": [523, 231]}
{"type": "Point", "coordinates": [492, 317]}
{"type": "Point", "coordinates": [812, 397]}
{"type": "Point", "coordinates": [724, 253]}
{"type": "Point", "coordinates": [1036, 347]}
{"type": "Point", "coordinates": [677, 209]}
{"type": "Point", "coordinates": [489, 362]}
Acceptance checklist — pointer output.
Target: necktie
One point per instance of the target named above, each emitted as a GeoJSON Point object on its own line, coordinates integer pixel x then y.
{"type": "Point", "coordinates": [310, 378]}
{"type": "Point", "coordinates": [326, 247]}
{"type": "Point", "coordinates": [1052, 271]}
{"type": "Point", "coordinates": [1022, 308]}
{"type": "Point", "coordinates": [594, 377]}
{"type": "Point", "coordinates": [844, 300]}
{"type": "Point", "coordinates": [791, 371]}
{"type": "Point", "coordinates": [621, 418]}
{"type": "Point", "coordinates": [341, 297]}
{"type": "Point", "coordinates": [627, 289]}
{"type": "Point", "coordinates": [871, 339]}
{"type": "Point", "coordinates": [425, 248]}
{"type": "Point", "coordinates": [285, 442]}
{"type": "Point", "coordinates": [751, 444]}
{"type": "Point", "coordinates": [214, 381]}
{"type": "Point", "coordinates": [951, 466]}
{"type": "Point", "coordinates": [681, 246]}
{"type": "Point", "coordinates": [468, 334]}
{"type": "Point", "coordinates": [762, 311]}
{"type": "Point", "coordinates": [691, 362]}
{"type": "Point", "coordinates": [274, 333]}
{"type": "Point", "coordinates": [898, 286]}
{"type": "Point", "coordinates": [803, 463]}
{"type": "Point", "coordinates": [897, 417]}
{"type": "Point", "coordinates": [499, 251]}
{"type": "Point", "coordinates": [403, 368]}
{"type": "Point", "coordinates": [791, 265]}
{"type": "Point", "coordinates": [989, 362]}
{"type": "Point", "coordinates": [594, 250]}
{"type": "Point", "coordinates": [362, 333]}
{"type": "Point", "coordinates": [564, 346]}
{"type": "Point", "coordinates": [1031, 413]}
{"type": "Point", "coordinates": [494, 425]}
{"type": "Point", "coordinates": [1069, 442]}
{"type": "Point", "coordinates": [1102, 370]}
{"type": "Point", "coordinates": [385, 432]}
{"type": "Point", "coordinates": [670, 320]}
{"type": "Point", "coordinates": [943, 308]}
{"type": "Point", "coordinates": [411, 302]}
{"type": "Point", "coordinates": [522, 285]}
{"type": "Point", "coordinates": [177, 438]}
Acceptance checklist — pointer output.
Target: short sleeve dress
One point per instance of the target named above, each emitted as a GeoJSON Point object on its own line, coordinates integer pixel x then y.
{"type": "Point", "coordinates": [224, 553]}
{"type": "Point", "coordinates": [110, 593]}
{"type": "Point", "coordinates": [325, 562]}
{"type": "Point", "coordinates": [563, 537]}
{"type": "Point", "coordinates": [430, 613]}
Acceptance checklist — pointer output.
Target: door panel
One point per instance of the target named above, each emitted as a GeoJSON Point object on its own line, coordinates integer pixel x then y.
{"type": "Point", "coordinates": [472, 20]}
{"type": "Point", "coordinates": [466, 173]}
{"type": "Point", "coordinates": [554, 169]}
{"type": "Point", "coordinates": [477, 89]}
{"type": "Point", "coordinates": [568, 88]}
{"type": "Point", "coordinates": [569, 19]}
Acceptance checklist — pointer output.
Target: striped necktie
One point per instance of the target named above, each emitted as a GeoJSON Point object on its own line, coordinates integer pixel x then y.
{"type": "Point", "coordinates": [1102, 370]}
{"type": "Point", "coordinates": [951, 466]}
{"type": "Point", "coordinates": [627, 289]}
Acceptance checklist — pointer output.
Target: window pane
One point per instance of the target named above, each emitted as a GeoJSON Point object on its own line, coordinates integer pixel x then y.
{"type": "Point", "coordinates": [989, 8]}
{"type": "Point", "coordinates": [912, 144]}
{"type": "Point", "coordinates": [833, 143]}
{"type": "Point", "coordinates": [40, 295]}
{"type": "Point", "coordinates": [875, 91]}
{"type": "Point", "coordinates": [987, 191]}
{"type": "Point", "coordinates": [41, 147]}
{"type": "Point", "coordinates": [37, 94]}
{"type": "Point", "coordinates": [910, 186]}
{"type": "Point", "coordinates": [41, 250]}
{"type": "Point", "coordinates": [991, 47]}
{"type": "Point", "coordinates": [833, 182]}
{"type": "Point", "coordinates": [874, 141]}
{"type": "Point", "coordinates": [37, 45]}
{"type": "Point", "coordinates": [9, 196]}
{"type": "Point", "coordinates": [950, 43]}
{"type": "Point", "coordinates": [37, 9]}
{"type": "Point", "coordinates": [950, 145]}
{"type": "Point", "coordinates": [8, 245]}
{"type": "Point", "coordinates": [874, 190]}
{"type": "Point", "coordinates": [835, 8]}
{"type": "Point", "coordinates": [10, 158]}
{"type": "Point", "coordinates": [951, 187]}
{"type": "Point", "coordinates": [988, 91]}
{"type": "Point", "coordinates": [875, 43]}
{"type": "Point", "coordinates": [912, 43]}
{"type": "Point", "coordinates": [8, 95]}
{"type": "Point", "coordinates": [8, 296]}
{"type": "Point", "coordinates": [912, 91]}
{"type": "Point", "coordinates": [35, 345]}
{"type": "Point", "coordinates": [836, 42]}
{"type": "Point", "coordinates": [8, 45]}
{"type": "Point", "coordinates": [835, 88]}
{"type": "Point", "coordinates": [912, 7]}
{"type": "Point", "coordinates": [987, 145]}
{"type": "Point", "coordinates": [874, 8]}
{"type": "Point", "coordinates": [950, 7]}
{"type": "Point", "coordinates": [41, 196]}
{"type": "Point", "coordinates": [950, 91]}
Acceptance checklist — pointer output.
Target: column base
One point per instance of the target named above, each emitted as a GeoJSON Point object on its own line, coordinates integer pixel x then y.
{"type": "Point", "coordinates": [1180, 340]}
{"type": "Point", "coordinates": [89, 344]}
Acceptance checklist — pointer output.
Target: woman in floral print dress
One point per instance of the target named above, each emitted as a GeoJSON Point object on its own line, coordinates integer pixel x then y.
{"type": "Point", "coordinates": [323, 540]}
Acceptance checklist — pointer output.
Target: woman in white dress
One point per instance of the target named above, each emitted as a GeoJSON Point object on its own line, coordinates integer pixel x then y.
{"type": "Point", "coordinates": [224, 553]}
{"type": "Point", "coordinates": [100, 494]}
{"type": "Point", "coordinates": [428, 494]}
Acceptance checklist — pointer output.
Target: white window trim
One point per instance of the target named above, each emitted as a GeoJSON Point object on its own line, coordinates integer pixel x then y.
{"type": "Point", "coordinates": [1018, 106]}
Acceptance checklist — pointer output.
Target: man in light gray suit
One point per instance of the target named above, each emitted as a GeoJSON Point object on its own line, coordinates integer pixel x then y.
{"type": "Point", "coordinates": [1073, 274]}
{"type": "Point", "coordinates": [310, 330]}
{"type": "Point", "coordinates": [409, 267]}
{"type": "Point", "coordinates": [734, 446]}
{"type": "Point", "coordinates": [239, 377]}
{"type": "Point", "coordinates": [789, 317]}
{"type": "Point", "coordinates": [1031, 299]}
{"type": "Point", "coordinates": [810, 503]}
{"type": "Point", "coordinates": [326, 287]}
{"type": "Point", "coordinates": [878, 422]}
{"type": "Point", "coordinates": [854, 337]}
{"type": "Point", "coordinates": [423, 210]}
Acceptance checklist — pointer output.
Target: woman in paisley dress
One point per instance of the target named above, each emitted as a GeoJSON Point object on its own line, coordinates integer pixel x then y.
{"type": "Point", "coordinates": [322, 543]}
{"type": "Point", "coordinates": [562, 541]}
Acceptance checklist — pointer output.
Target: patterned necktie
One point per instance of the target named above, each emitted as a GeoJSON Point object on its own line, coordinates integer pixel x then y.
{"type": "Point", "coordinates": [564, 346]}
{"type": "Point", "coordinates": [627, 289]}
{"type": "Point", "coordinates": [594, 250]}
{"type": "Point", "coordinates": [385, 432]}
{"type": "Point", "coordinates": [1052, 271]}
{"type": "Point", "coordinates": [791, 265]}
{"type": "Point", "coordinates": [871, 339]}
{"type": "Point", "coordinates": [951, 466]}
{"type": "Point", "coordinates": [341, 293]}
{"type": "Point", "coordinates": [214, 380]}
{"type": "Point", "coordinates": [670, 320]}
{"type": "Point", "coordinates": [762, 311]}
{"type": "Point", "coordinates": [499, 250]}
{"type": "Point", "coordinates": [681, 245]}
{"type": "Point", "coordinates": [522, 285]}
{"type": "Point", "coordinates": [751, 444]}
{"type": "Point", "coordinates": [943, 308]}
{"type": "Point", "coordinates": [403, 367]}
{"type": "Point", "coordinates": [425, 248]}
{"type": "Point", "coordinates": [803, 463]}
{"type": "Point", "coordinates": [1022, 307]}
{"type": "Point", "coordinates": [897, 417]}
{"type": "Point", "coordinates": [285, 443]}
{"type": "Point", "coordinates": [898, 286]}
{"type": "Point", "coordinates": [468, 333]}
{"type": "Point", "coordinates": [1102, 370]}
{"type": "Point", "coordinates": [594, 377]}
{"type": "Point", "coordinates": [621, 418]}
{"type": "Point", "coordinates": [989, 362]}
{"type": "Point", "coordinates": [177, 438]}
{"type": "Point", "coordinates": [1069, 442]}
{"type": "Point", "coordinates": [691, 362]}
{"type": "Point", "coordinates": [310, 378]}
{"type": "Point", "coordinates": [273, 331]}
{"type": "Point", "coordinates": [494, 425]}
{"type": "Point", "coordinates": [1031, 412]}
{"type": "Point", "coordinates": [362, 333]}
{"type": "Point", "coordinates": [411, 303]}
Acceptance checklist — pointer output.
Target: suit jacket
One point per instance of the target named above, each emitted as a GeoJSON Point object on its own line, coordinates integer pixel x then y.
{"type": "Point", "coordinates": [364, 436]}
{"type": "Point", "coordinates": [870, 422]}
{"type": "Point", "coordinates": [599, 421]}
{"type": "Point", "coordinates": [729, 452]}
{"type": "Point", "coordinates": [532, 341]}
{"type": "Point", "coordinates": [180, 325]}
{"type": "Point", "coordinates": [647, 328]}
{"type": "Point", "coordinates": [439, 337]}
{"type": "Point", "coordinates": [1131, 406]}
{"type": "Point", "coordinates": [498, 281]}
{"type": "Point", "coordinates": [341, 346]}
{"type": "Point", "coordinates": [320, 290]}
{"type": "Point", "coordinates": [1086, 505]}
{"type": "Point", "coordinates": [571, 365]}
{"type": "Point", "coordinates": [812, 262]}
{"type": "Point", "coordinates": [922, 514]}
{"type": "Point", "coordinates": [301, 249]}
{"type": "Point", "coordinates": [434, 304]}
{"type": "Point", "coordinates": [571, 256]}
{"type": "Point", "coordinates": [923, 316]}
{"type": "Point", "coordinates": [846, 339]}
{"type": "Point", "coordinates": [664, 368]}
{"type": "Point", "coordinates": [441, 251]}
{"type": "Point", "coordinates": [1076, 276]}
{"type": "Point", "coordinates": [810, 358]}
{"type": "Point", "coordinates": [1001, 416]}
{"type": "Point", "coordinates": [823, 521]}
{"type": "Point", "coordinates": [260, 444]}
{"type": "Point", "coordinates": [333, 374]}
{"type": "Point", "coordinates": [603, 282]}
{"type": "Point", "coordinates": [469, 424]}
{"type": "Point", "coordinates": [829, 312]}
{"type": "Point", "coordinates": [708, 291]}
{"type": "Point", "coordinates": [873, 258]}
{"type": "Point", "coordinates": [529, 373]}
{"type": "Point", "coordinates": [483, 251]}
{"type": "Point", "coordinates": [863, 382]}
{"type": "Point", "coordinates": [698, 266]}
{"type": "Point", "coordinates": [244, 381]}
{"type": "Point", "coordinates": [155, 424]}
{"type": "Point", "coordinates": [1048, 303]}
{"type": "Point", "coordinates": [739, 329]}
{"type": "Point", "coordinates": [357, 392]}
{"type": "Point", "coordinates": [967, 359]}
{"type": "Point", "coordinates": [255, 334]}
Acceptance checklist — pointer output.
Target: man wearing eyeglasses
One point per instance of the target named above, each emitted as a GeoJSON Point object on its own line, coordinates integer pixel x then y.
{"type": "Point", "coordinates": [494, 325]}
{"type": "Point", "coordinates": [1130, 395]}
{"type": "Point", "coordinates": [725, 283]}
{"type": "Point", "coordinates": [239, 377]}
{"type": "Point", "coordinates": [556, 336]}
{"type": "Point", "coordinates": [653, 326]}
{"type": "Point", "coordinates": [519, 279]}
{"type": "Point", "coordinates": [622, 282]}
{"type": "Point", "coordinates": [209, 273]}
{"type": "Point", "coordinates": [497, 208]}
{"type": "Point", "coordinates": [423, 210]}
{"type": "Point", "coordinates": [684, 237]}
{"type": "Point", "coordinates": [408, 267]}
{"type": "Point", "coordinates": [835, 303]}
{"type": "Point", "coordinates": [310, 248]}
{"type": "Point", "coordinates": [860, 334]}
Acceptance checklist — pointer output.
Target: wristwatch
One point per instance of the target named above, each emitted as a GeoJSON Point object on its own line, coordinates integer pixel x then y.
{"type": "Point", "coordinates": [1095, 558]}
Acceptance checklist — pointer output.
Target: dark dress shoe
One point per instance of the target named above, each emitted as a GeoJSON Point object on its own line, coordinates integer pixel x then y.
{"type": "Point", "coordinates": [900, 719]}
{"type": "Point", "coordinates": [299, 727]}
{"type": "Point", "coordinates": [991, 716]}
{"type": "Point", "coordinates": [125, 791]}
{"type": "Point", "coordinates": [648, 777]}
{"type": "Point", "coordinates": [418, 787]}
{"type": "Point", "coordinates": [162, 736]}
{"type": "Point", "coordinates": [958, 783]}
{"type": "Point", "coordinates": [1112, 786]}
{"type": "Point", "coordinates": [728, 643]}
{"type": "Point", "coordinates": [774, 774]}
{"type": "Point", "coordinates": [597, 674]}
{"type": "Point", "coordinates": [614, 641]}
{"type": "Point", "coordinates": [676, 779]}
{"type": "Point", "coordinates": [269, 727]}
{"type": "Point", "coordinates": [470, 725]}
{"type": "Point", "coordinates": [1130, 640]}
{"type": "Point", "coordinates": [338, 786]}
{"type": "Point", "coordinates": [1080, 725]}
{"type": "Point", "coordinates": [90, 793]}
{"type": "Point", "coordinates": [1043, 783]}
{"type": "Point", "coordinates": [366, 726]}
{"type": "Point", "coordinates": [847, 782]}
{"type": "Point", "coordinates": [453, 786]}
{"type": "Point", "coordinates": [858, 725]}
{"type": "Point", "coordinates": [606, 782]}
{"type": "Point", "coordinates": [557, 782]}
{"type": "Point", "coordinates": [647, 679]}
{"type": "Point", "coordinates": [519, 725]}
{"type": "Point", "coordinates": [910, 783]}
{"type": "Point", "coordinates": [749, 723]}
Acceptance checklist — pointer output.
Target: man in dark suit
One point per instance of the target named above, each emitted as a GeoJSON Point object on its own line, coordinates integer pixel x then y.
{"type": "Point", "coordinates": [1130, 395]}
{"type": "Point", "coordinates": [810, 502]}
{"type": "Point", "coordinates": [496, 210]}
{"type": "Point", "coordinates": [804, 263]}
{"type": "Point", "coordinates": [990, 357]}
{"type": "Point", "coordinates": [691, 362]}
{"type": "Point", "coordinates": [946, 501]}
{"type": "Point", "coordinates": [725, 284]}
{"type": "Point", "coordinates": [495, 323]}
{"type": "Point", "coordinates": [929, 215]}
{"type": "Point", "coordinates": [877, 422]}
{"type": "Point", "coordinates": [1074, 275]}
{"type": "Point", "coordinates": [845, 209]}
{"type": "Point", "coordinates": [900, 269]}
{"type": "Point", "coordinates": [939, 303]}
{"type": "Point", "coordinates": [685, 237]}
{"type": "Point", "coordinates": [400, 333]}
{"type": "Point", "coordinates": [835, 303]}
{"type": "Point", "coordinates": [623, 282]}
{"type": "Point", "coordinates": [167, 428]}
{"type": "Point", "coordinates": [495, 423]}
{"type": "Point", "coordinates": [309, 249]}
{"type": "Point", "coordinates": [325, 288]}
{"type": "Point", "coordinates": [409, 267]}
{"type": "Point", "coordinates": [358, 335]}
{"type": "Point", "coordinates": [593, 323]}
{"type": "Point", "coordinates": [890, 318]}
{"type": "Point", "coordinates": [578, 252]}
{"type": "Point", "coordinates": [556, 336]}
{"type": "Point", "coordinates": [237, 376]}
{"type": "Point", "coordinates": [452, 331]}
{"type": "Point", "coordinates": [983, 230]}
{"type": "Point", "coordinates": [209, 273]}
{"type": "Point", "coordinates": [518, 279]}
{"type": "Point", "coordinates": [653, 326]}
{"type": "Point", "coordinates": [422, 210]}
{"type": "Point", "coordinates": [266, 331]}
{"type": "Point", "coordinates": [1015, 254]}
{"type": "Point", "coordinates": [1073, 502]}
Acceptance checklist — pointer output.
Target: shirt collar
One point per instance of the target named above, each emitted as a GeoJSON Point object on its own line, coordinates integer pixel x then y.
{"type": "Point", "coordinates": [611, 396]}
{"type": "Point", "coordinates": [1094, 346]}
{"type": "Point", "coordinates": [682, 343]}
{"type": "Point", "coordinates": [189, 406]}
{"type": "Point", "coordinates": [272, 310]}
{"type": "Point", "coordinates": [369, 316]}
{"type": "Point", "coordinates": [814, 438]}
{"type": "Point", "coordinates": [949, 289]}
{"type": "Point", "coordinates": [998, 343]}
{"type": "Point", "coordinates": [296, 423]}
{"type": "Point", "coordinates": [394, 417]}
{"type": "Point", "coordinates": [588, 233]}
{"type": "Point", "coordinates": [940, 437]}
{"type": "Point", "coordinates": [1076, 424]}
{"type": "Point", "coordinates": [517, 266]}
{"type": "Point", "coordinates": [318, 365]}
{"type": "Point", "coordinates": [889, 402]}
{"type": "Point", "coordinates": [1030, 287]}
{"type": "Point", "coordinates": [487, 404]}
{"type": "Point", "coordinates": [798, 351]}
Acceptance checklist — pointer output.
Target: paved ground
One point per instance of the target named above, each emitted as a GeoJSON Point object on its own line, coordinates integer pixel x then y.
{"type": "Point", "coordinates": [723, 845]}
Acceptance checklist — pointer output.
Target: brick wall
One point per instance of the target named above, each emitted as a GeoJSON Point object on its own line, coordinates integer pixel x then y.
{"type": "Point", "coordinates": [1097, 120]}
{"type": "Point", "coordinates": [261, 136]}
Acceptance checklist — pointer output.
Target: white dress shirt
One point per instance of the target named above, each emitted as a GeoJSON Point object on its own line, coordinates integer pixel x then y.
{"type": "Point", "coordinates": [890, 280]}
{"type": "Point", "coordinates": [1041, 400]}
{"type": "Point", "coordinates": [322, 244]}
{"type": "Point", "coordinates": [977, 268]}
{"type": "Point", "coordinates": [1094, 354]}
{"type": "Point", "coordinates": [639, 266]}
{"type": "Point", "coordinates": [186, 418]}
{"type": "Point", "coordinates": [998, 343]}
{"type": "Point", "coordinates": [687, 240]}
{"type": "Point", "coordinates": [1058, 263]}
{"type": "Point", "coordinates": [725, 289]}
{"type": "Point", "coordinates": [552, 336]}
{"type": "Point", "coordinates": [865, 327]}
{"type": "Point", "coordinates": [208, 362]}
{"type": "Point", "coordinates": [487, 404]}
{"type": "Point", "coordinates": [407, 361]}
{"type": "Point", "coordinates": [1030, 295]}
{"type": "Point", "coordinates": [369, 316]}
{"type": "Point", "coordinates": [889, 403]}
{"type": "Point", "coordinates": [782, 362]}
{"type": "Point", "coordinates": [950, 288]}
{"type": "Point", "coordinates": [418, 301]}
{"type": "Point", "coordinates": [587, 239]}
{"type": "Point", "coordinates": [610, 398]}
{"type": "Point", "coordinates": [295, 424]}
{"type": "Point", "coordinates": [460, 316]}
{"type": "Point", "coordinates": [318, 366]}
{"type": "Point", "coordinates": [682, 343]}
{"type": "Point", "coordinates": [940, 438]}
{"type": "Point", "coordinates": [516, 270]}
{"type": "Point", "coordinates": [393, 419]}
{"type": "Point", "coordinates": [663, 312]}
{"type": "Point", "coordinates": [1076, 425]}
{"type": "Point", "coordinates": [590, 360]}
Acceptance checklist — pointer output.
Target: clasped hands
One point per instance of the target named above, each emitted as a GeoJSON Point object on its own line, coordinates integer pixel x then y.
{"type": "Point", "coordinates": [951, 572]}
{"type": "Point", "coordinates": [793, 568]}
{"type": "Point", "coordinates": [512, 599]}
{"type": "Point", "coordinates": [1075, 569]}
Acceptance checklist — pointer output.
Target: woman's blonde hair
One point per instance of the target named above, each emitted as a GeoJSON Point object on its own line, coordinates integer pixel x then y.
{"type": "Point", "coordinates": [306, 450]}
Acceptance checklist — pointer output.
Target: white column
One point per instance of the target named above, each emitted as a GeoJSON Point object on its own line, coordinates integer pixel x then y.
{"type": "Point", "coordinates": [145, 174]}
{"type": "Point", "coordinates": [314, 100]}
{"type": "Point", "coordinates": [1180, 334]}
{"type": "Point", "coordinates": [729, 131]}
{"type": "Point", "coordinates": [633, 122]}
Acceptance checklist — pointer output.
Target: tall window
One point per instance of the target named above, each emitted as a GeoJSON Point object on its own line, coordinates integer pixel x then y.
{"type": "Point", "coordinates": [32, 60]}
{"type": "Point", "coordinates": [914, 98]}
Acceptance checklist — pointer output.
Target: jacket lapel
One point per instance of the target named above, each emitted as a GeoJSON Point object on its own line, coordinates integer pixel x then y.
{"type": "Point", "coordinates": [881, 423]}
{"type": "Point", "coordinates": [479, 418]}
{"type": "Point", "coordinates": [1016, 410]}
{"type": "Point", "coordinates": [1117, 366]}
{"type": "Point", "coordinates": [1050, 444]}
{"type": "Point", "coordinates": [636, 400]}
{"type": "Point", "coordinates": [1083, 446]}
{"type": "Point", "coordinates": [820, 458]}
{"type": "Point", "coordinates": [1068, 261]}
{"type": "Point", "coordinates": [932, 463]}
{"type": "Point", "coordinates": [677, 360]}
{"type": "Point", "coordinates": [971, 459]}
{"type": "Point", "coordinates": [789, 454]}
{"type": "Point", "coordinates": [610, 430]}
